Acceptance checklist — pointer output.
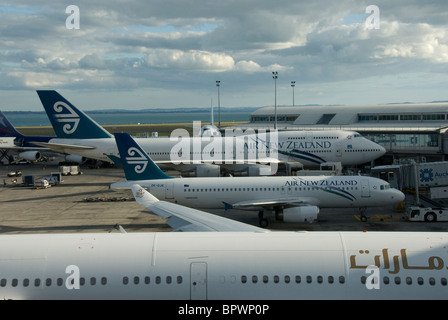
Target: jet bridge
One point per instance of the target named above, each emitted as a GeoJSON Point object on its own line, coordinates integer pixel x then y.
{"type": "Point", "coordinates": [430, 178]}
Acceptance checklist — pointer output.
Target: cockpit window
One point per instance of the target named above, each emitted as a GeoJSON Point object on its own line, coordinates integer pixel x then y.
{"type": "Point", "coordinates": [385, 186]}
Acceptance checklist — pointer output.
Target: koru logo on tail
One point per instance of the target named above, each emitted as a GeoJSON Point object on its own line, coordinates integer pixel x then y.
{"type": "Point", "coordinates": [72, 118]}
{"type": "Point", "coordinates": [137, 158]}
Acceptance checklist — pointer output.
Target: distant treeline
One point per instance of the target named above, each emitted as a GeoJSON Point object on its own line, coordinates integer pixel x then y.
{"type": "Point", "coordinates": [157, 110]}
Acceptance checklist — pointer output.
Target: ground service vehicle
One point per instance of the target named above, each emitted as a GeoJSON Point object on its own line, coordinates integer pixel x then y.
{"type": "Point", "coordinates": [427, 214]}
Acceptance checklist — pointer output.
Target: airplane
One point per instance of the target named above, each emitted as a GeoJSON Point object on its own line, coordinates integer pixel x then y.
{"type": "Point", "coordinates": [25, 146]}
{"type": "Point", "coordinates": [230, 263]}
{"type": "Point", "coordinates": [292, 198]}
{"type": "Point", "coordinates": [208, 130]}
{"type": "Point", "coordinates": [238, 152]}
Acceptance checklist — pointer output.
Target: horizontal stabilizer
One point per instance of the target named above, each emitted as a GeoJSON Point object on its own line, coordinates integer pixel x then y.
{"type": "Point", "coordinates": [227, 206]}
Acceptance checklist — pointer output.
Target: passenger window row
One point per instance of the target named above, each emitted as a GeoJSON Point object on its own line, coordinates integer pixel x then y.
{"type": "Point", "coordinates": [186, 189]}
{"type": "Point", "coordinates": [229, 189]}
{"type": "Point", "coordinates": [341, 279]}
{"type": "Point", "coordinates": [48, 282]}
{"type": "Point", "coordinates": [288, 279]}
{"type": "Point", "coordinates": [147, 280]}
{"type": "Point", "coordinates": [361, 150]}
{"type": "Point", "coordinates": [409, 281]}
{"type": "Point", "coordinates": [315, 138]}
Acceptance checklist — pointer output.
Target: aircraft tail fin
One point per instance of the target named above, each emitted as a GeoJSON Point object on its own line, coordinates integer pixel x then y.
{"type": "Point", "coordinates": [6, 128]}
{"type": "Point", "coordinates": [67, 120]}
{"type": "Point", "coordinates": [137, 165]}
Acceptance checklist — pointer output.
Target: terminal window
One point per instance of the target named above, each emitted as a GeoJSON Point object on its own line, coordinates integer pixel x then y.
{"type": "Point", "coordinates": [326, 118]}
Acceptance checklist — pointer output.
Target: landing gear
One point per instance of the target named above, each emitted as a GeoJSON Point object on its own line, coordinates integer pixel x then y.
{"type": "Point", "coordinates": [262, 221]}
{"type": "Point", "coordinates": [362, 212]}
{"type": "Point", "coordinates": [278, 214]}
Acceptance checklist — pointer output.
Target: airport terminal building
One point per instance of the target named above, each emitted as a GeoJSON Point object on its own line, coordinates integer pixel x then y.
{"type": "Point", "coordinates": [416, 131]}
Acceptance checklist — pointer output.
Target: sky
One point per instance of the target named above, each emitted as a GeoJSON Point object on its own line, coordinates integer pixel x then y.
{"type": "Point", "coordinates": [169, 54]}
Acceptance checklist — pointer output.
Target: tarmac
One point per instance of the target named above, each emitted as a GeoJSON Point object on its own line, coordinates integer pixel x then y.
{"type": "Point", "coordinates": [84, 203]}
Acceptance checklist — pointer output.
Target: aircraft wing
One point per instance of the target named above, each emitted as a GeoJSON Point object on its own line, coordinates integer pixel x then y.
{"type": "Point", "coordinates": [63, 148]}
{"type": "Point", "coordinates": [271, 203]}
{"type": "Point", "coordinates": [176, 165]}
{"type": "Point", "coordinates": [7, 143]}
{"type": "Point", "coordinates": [21, 149]}
{"type": "Point", "coordinates": [181, 218]}
{"type": "Point", "coordinates": [227, 163]}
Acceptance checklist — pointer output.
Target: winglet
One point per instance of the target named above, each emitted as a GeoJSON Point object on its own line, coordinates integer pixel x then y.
{"type": "Point", "coordinates": [142, 197]}
{"type": "Point", "coordinates": [137, 165]}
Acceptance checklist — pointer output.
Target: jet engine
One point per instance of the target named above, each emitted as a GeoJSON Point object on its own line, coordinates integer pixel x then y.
{"type": "Point", "coordinates": [301, 214]}
{"type": "Point", "coordinates": [75, 158]}
{"type": "Point", "coordinates": [203, 170]}
{"type": "Point", "coordinates": [252, 170]}
{"type": "Point", "coordinates": [30, 155]}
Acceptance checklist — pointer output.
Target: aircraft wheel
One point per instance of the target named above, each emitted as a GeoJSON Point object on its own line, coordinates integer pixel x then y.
{"type": "Point", "coordinates": [430, 217]}
{"type": "Point", "coordinates": [363, 218]}
{"type": "Point", "coordinates": [263, 223]}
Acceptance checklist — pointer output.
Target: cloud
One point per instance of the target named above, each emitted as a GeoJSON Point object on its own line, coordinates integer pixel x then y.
{"type": "Point", "coordinates": [418, 41]}
{"type": "Point", "coordinates": [184, 45]}
{"type": "Point", "coordinates": [203, 61]}
{"type": "Point", "coordinates": [248, 66]}
{"type": "Point", "coordinates": [91, 61]}
{"type": "Point", "coordinates": [189, 60]}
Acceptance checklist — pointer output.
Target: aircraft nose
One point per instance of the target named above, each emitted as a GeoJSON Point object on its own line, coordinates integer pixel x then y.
{"type": "Point", "coordinates": [398, 196]}
{"type": "Point", "coordinates": [382, 150]}
{"type": "Point", "coordinates": [377, 149]}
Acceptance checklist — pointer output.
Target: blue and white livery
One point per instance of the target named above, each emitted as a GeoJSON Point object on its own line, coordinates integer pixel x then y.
{"type": "Point", "coordinates": [292, 198]}
{"type": "Point", "coordinates": [206, 155]}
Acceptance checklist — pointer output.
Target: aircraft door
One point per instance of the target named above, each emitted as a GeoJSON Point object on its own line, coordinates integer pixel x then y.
{"type": "Point", "coordinates": [285, 191]}
{"type": "Point", "coordinates": [308, 136]}
{"type": "Point", "coordinates": [365, 188]}
{"type": "Point", "coordinates": [338, 149]}
{"type": "Point", "coordinates": [198, 281]}
{"type": "Point", "coordinates": [169, 190]}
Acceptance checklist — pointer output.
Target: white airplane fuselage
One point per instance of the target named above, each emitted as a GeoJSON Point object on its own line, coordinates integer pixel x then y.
{"type": "Point", "coordinates": [225, 265]}
{"type": "Point", "coordinates": [308, 147]}
{"type": "Point", "coordinates": [321, 191]}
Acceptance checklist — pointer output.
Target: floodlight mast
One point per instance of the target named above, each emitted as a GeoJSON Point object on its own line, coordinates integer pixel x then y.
{"type": "Point", "coordinates": [275, 76]}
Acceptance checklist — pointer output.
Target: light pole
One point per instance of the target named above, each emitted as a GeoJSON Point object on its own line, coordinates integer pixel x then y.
{"type": "Point", "coordinates": [293, 84]}
{"type": "Point", "coordinates": [218, 83]}
{"type": "Point", "coordinates": [275, 76]}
